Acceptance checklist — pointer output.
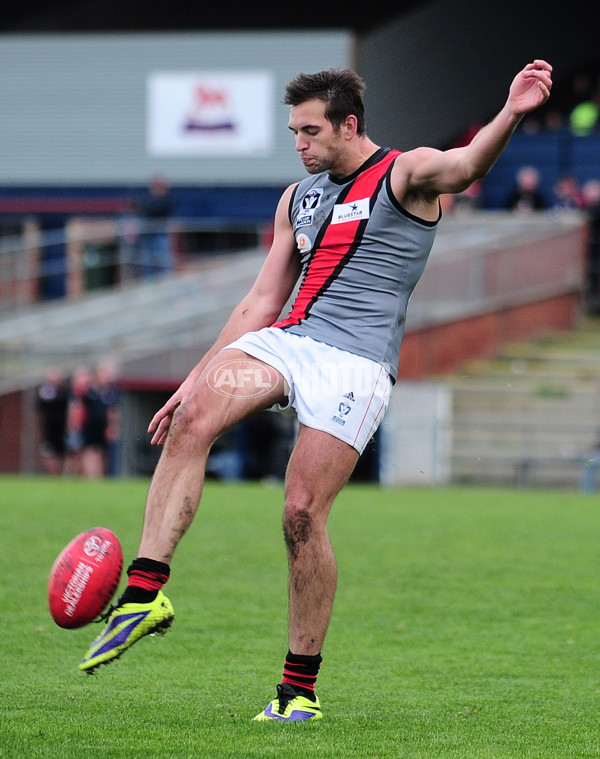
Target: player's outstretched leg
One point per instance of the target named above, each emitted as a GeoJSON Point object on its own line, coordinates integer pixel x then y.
{"type": "Point", "coordinates": [126, 625]}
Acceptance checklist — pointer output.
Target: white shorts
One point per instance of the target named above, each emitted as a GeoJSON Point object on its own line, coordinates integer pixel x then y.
{"type": "Point", "coordinates": [332, 390]}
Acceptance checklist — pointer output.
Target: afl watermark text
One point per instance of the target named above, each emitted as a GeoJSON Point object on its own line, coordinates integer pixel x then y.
{"type": "Point", "coordinates": [239, 378]}
{"type": "Point", "coordinates": [331, 379]}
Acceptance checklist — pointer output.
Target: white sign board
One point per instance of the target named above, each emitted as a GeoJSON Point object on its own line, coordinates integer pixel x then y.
{"type": "Point", "coordinates": [210, 113]}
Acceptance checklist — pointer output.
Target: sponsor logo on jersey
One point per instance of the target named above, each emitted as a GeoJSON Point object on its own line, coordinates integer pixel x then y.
{"type": "Point", "coordinates": [304, 221]}
{"type": "Point", "coordinates": [353, 211]}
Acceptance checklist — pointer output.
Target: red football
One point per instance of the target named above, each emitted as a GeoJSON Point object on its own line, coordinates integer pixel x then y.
{"type": "Point", "coordinates": [84, 577]}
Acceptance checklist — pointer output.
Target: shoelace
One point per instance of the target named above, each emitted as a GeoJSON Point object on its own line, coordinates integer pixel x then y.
{"type": "Point", "coordinates": [285, 694]}
{"type": "Point", "coordinates": [105, 614]}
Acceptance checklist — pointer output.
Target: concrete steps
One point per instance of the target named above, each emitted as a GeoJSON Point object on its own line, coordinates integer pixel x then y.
{"type": "Point", "coordinates": [530, 416]}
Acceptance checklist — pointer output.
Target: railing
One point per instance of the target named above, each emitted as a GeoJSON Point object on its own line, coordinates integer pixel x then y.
{"type": "Point", "coordinates": [94, 254]}
{"type": "Point", "coordinates": [487, 261]}
{"type": "Point", "coordinates": [478, 261]}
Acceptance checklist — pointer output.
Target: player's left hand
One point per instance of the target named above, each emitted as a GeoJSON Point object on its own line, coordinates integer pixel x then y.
{"type": "Point", "coordinates": [161, 421]}
{"type": "Point", "coordinates": [531, 87]}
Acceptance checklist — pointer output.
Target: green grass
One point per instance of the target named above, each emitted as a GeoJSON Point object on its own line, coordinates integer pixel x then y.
{"type": "Point", "coordinates": [466, 625]}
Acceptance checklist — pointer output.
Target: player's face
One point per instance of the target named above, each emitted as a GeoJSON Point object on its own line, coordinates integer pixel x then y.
{"type": "Point", "coordinates": [321, 148]}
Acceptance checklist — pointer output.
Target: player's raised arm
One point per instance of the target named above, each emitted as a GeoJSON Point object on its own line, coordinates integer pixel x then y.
{"type": "Point", "coordinates": [430, 172]}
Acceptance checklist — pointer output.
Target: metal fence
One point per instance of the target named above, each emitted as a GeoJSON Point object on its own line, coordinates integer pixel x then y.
{"type": "Point", "coordinates": [86, 255]}
{"type": "Point", "coordinates": [483, 262]}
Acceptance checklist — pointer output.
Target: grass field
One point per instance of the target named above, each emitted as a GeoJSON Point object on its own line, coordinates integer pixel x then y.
{"type": "Point", "coordinates": [466, 624]}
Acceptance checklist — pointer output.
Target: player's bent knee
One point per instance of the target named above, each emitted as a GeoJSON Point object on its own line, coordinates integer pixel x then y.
{"type": "Point", "coordinates": [303, 520]}
{"type": "Point", "coordinates": [191, 425]}
{"type": "Point", "coordinates": [298, 526]}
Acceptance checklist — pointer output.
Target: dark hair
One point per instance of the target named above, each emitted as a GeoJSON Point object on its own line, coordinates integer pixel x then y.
{"type": "Point", "coordinates": [341, 89]}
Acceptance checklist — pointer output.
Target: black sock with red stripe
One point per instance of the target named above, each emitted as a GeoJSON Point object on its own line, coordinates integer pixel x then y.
{"type": "Point", "coordinates": [146, 578]}
{"type": "Point", "coordinates": [301, 673]}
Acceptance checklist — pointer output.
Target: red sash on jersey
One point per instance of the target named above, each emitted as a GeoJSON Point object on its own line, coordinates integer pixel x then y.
{"type": "Point", "coordinates": [335, 243]}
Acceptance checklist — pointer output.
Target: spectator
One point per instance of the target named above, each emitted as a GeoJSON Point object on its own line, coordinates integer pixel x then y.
{"type": "Point", "coordinates": [580, 90]}
{"type": "Point", "coordinates": [466, 201]}
{"type": "Point", "coordinates": [154, 209]}
{"type": "Point", "coordinates": [591, 201]}
{"type": "Point", "coordinates": [80, 383]}
{"type": "Point", "coordinates": [567, 194]}
{"type": "Point", "coordinates": [583, 119]}
{"type": "Point", "coordinates": [590, 194]}
{"type": "Point", "coordinates": [226, 459]}
{"type": "Point", "coordinates": [584, 110]}
{"type": "Point", "coordinates": [52, 400]}
{"type": "Point", "coordinates": [591, 464]}
{"type": "Point", "coordinates": [527, 195]}
{"type": "Point", "coordinates": [100, 428]}
{"type": "Point", "coordinates": [129, 240]}
{"type": "Point", "coordinates": [554, 120]}
{"type": "Point", "coordinates": [107, 381]}
{"type": "Point", "coordinates": [270, 439]}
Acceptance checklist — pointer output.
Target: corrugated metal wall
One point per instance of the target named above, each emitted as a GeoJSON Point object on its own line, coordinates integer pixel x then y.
{"type": "Point", "coordinates": [73, 107]}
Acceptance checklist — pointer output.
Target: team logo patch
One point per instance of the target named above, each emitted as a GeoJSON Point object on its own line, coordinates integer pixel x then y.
{"type": "Point", "coordinates": [312, 199]}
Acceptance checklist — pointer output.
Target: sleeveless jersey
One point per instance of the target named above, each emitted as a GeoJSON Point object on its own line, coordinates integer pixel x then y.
{"type": "Point", "coordinates": [362, 255]}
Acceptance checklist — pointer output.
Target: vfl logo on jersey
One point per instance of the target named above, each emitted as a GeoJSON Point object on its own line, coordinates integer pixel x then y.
{"type": "Point", "coordinates": [356, 210]}
{"type": "Point", "coordinates": [343, 410]}
{"type": "Point", "coordinates": [312, 200]}
{"type": "Point", "coordinates": [303, 242]}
